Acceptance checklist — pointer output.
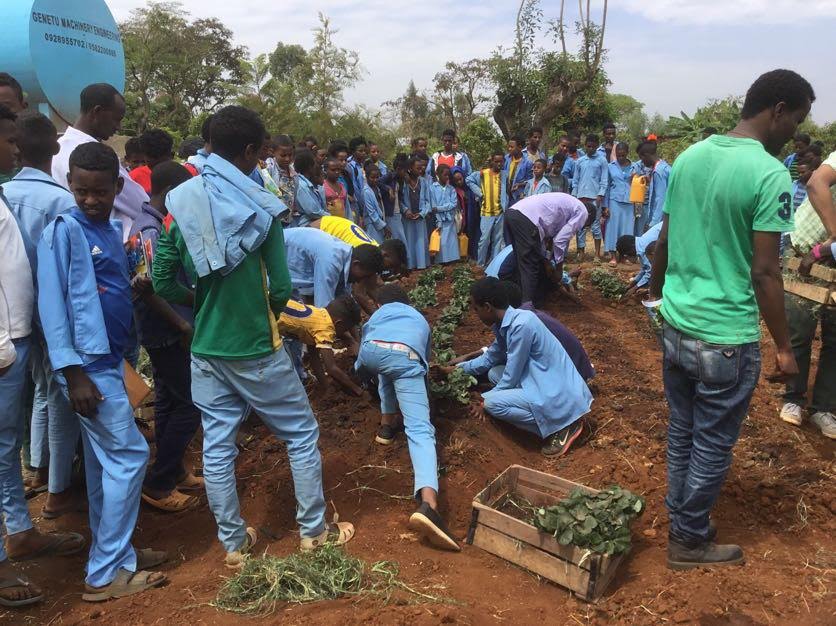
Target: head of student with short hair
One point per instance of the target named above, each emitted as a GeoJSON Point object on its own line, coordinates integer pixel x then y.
{"type": "Point", "coordinates": [237, 134]}
{"type": "Point", "coordinates": [394, 256]}
{"type": "Point", "coordinates": [591, 145]}
{"type": "Point", "coordinates": [419, 146]}
{"type": "Point", "coordinates": [443, 174]}
{"type": "Point", "coordinates": [134, 156]}
{"type": "Point", "coordinates": [447, 139]}
{"type": "Point", "coordinates": [776, 103]}
{"type": "Point", "coordinates": [283, 151]}
{"type": "Point", "coordinates": [157, 146]}
{"type": "Point", "coordinates": [345, 314]}
{"type": "Point", "coordinates": [94, 179]}
{"type": "Point", "coordinates": [372, 175]}
{"type": "Point", "coordinates": [535, 136]}
{"type": "Point", "coordinates": [311, 143]}
{"type": "Point", "coordinates": [609, 132]}
{"type": "Point", "coordinates": [358, 148]}
{"type": "Point", "coordinates": [366, 263]}
{"type": "Point", "coordinates": [189, 147]}
{"type": "Point", "coordinates": [37, 140]}
{"type": "Point", "coordinates": [9, 153]}
{"type": "Point", "coordinates": [306, 165]}
{"type": "Point", "coordinates": [539, 168]}
{"type": "Point", "coordinates": [102, 110]}
{"type": "Point", "coordinates": [647, 151]}
{"type": "Point", "coordinates": [392, 292]}
{"type": "Point", "coordinates": [11, 93]}
{"type": "Point", "coordinates": [165, 177]}
{"type": "Point", "coordinates": [496, 161]}
{"type": "Point", "coordinates": [812, 156]}
{"type": "Point", "coordinates": [489, 300]}
{"type": "Point", "coordinates": [206, 132]}
{"type": "Point", "coordinates": [515, 146]}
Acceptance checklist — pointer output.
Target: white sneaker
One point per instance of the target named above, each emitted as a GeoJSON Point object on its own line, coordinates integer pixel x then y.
{"type": "Point", "coordinates": [826, 423]}
{"type": "Point", "coordinates": [791, 413]}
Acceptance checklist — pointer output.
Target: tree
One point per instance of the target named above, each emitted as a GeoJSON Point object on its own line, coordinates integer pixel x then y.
{"type": "Point", "coordinates": [175, 68]}
{"type": "Point", "coordinates": [415, 115]}
{"type": "Point", "coordinates": [629, 116]}
{"type": "Point", "coordinates": [547, 88]}
{"type": "Point", "coordinates": [333, 70]}
{"type": "Point", "coordinates": [479, 139]}
{"type": "Point", "coordinates": [458, 92]}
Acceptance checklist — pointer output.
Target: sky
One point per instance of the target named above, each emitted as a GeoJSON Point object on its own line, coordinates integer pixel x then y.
{"type": "Point", "coordinates": [672, 55]}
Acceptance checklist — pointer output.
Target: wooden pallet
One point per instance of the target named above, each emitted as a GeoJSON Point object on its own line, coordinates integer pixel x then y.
{"type": "Point", "coordinates": [585, 573]}
{"type": "Point", "coordinates": [823, 294]}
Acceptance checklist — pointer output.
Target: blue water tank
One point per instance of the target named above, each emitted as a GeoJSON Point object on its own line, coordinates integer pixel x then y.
{"type": "Point", "coordinates": [55, 48]}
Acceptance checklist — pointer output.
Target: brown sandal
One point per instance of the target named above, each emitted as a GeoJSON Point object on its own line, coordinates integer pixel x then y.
{"type": "Point", "coordinates": [175, 502]}
{"type": "Point", "coordinates": [59, 544]}
{"type": "Point", "coordinates": [14, 581]}
{"type": "Point", "coordinates": [191, 482]}
{"type": "Point", "coordinates": [125, 584]}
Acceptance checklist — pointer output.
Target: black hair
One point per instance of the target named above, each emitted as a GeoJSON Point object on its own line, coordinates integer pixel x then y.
{"type": "Point", "coordinates": [156, 143]}
{"type": "Point", "coordinates": [646, 145]}
{"type": "Point", "coordinates": [7, 80]}
{"type": "Point", "coordinates": [413, 159]}
{"type": "Point", "coordinates": [626, 245]}
{"type": "Point", "coordinates": [7, 114]}
{"type": "Point", "coordinates": [591, 138]}
{"type": "Point", "coordinates": [489, 290]}
{"type": "Point", "coordinates": [401, 160]}
{"type": "Point", "coordinates": [566, 137]}
{"type": "Point", "coordinates": [95, 157]}
{"type": "Point", "coordinates": [518, 139]}
{"type": "Point", "coordinates": [819, 143]}
{"type": "Point", "coordinates": [559, 156]}
{"type": "Point", "coordinates": [622, 145]}
{"type": "Point", "coordinates": [133, 146]}
{"type": "Point", "coordinates": [336, 147]}
{"type": "Point", "coordinates": [98, 95]}
{"type": "Point", "coordinates": [233, 129]}
{"type": "Point", "coordinates": [442, 168]}
{"type": "Point", "coordinates": [304, 161]}
{"type": "Point", "coordinates": [392, 292]}
{"type": "Point", "coordinates": [814, 149]}
{"type": "Point", "coordinates": [206, 128]}
{"type": "Point", "coordinates": [449, 132]}
{"type": "Point", "coordinates": [329, 160]}
{"type": "Point", "coordinates": [369, 257]}
{"type": "Point", "coordinates": [356, 143]}
{"type": "Point", "coordinates": [535, 129]}
{"type": "Point", "coordinates": [802, 137]}
{"type": "Point", "coordinates": [371, 167]}
{"type": "Point", "coordinates": [497, 153]}
{"type": "Point", "coordinates": [189, 147]}
{"type": "Point", "coordinates": [544, 162]}
{"type": "Point", "coordinates": [37, 137]}
{"type": "Point", "coordinates": [513, 291]}
{"type": "Point", "coordinates": [608, 126]}
{"type": "Point", "coordinates": [416, 140]}
{"type": "Point", "coordinates": [310, 138]}
{"type": "Point", "coordinates": [396, 247]}
{"type": "Point", "coordinates": [777, 86]}
{"type": "Point", "coordinates": [301, 145]}
{"type": "Point", "coordinates": [167, 175]}
{"type": "Point", "coordinates": [345, 308]}
{"type": "Point", "coordinates": [283, 141]}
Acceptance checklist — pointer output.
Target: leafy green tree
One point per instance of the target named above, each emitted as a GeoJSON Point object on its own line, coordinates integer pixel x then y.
{"type": "Point", "coordinates": [479, 139]}
{"type": "Point", "coordinates": [176, 67]}
{"type": "Point", "coordinates": [459, 92]}
{"type": "Point", "coordinates": [629, 116]}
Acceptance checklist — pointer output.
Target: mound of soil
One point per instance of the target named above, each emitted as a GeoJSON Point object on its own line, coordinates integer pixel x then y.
{"type": "Point", "coordinates": [778, 503]}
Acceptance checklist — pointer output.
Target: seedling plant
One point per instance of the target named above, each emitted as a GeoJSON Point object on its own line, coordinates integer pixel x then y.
{"type": "Point", "coordinates": [610, 285]}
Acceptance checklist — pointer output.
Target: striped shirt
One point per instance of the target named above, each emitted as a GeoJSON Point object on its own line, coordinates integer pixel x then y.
{"type": "Point", "coordinates": [491, 195]}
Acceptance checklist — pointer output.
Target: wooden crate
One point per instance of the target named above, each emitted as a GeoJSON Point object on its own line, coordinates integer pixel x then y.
{"type": "Point", "coordinates": [817, 293]}
{"type": "Point", "coordinates": [585, 573]}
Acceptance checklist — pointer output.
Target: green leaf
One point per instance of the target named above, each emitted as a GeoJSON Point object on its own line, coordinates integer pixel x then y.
{"type": "Point", "coordinates": [566, 537]}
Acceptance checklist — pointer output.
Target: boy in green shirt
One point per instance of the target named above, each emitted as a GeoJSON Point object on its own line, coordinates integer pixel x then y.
{"type": "Point", "coordinates": [716, 265]}
{"type": "Point", "coordinates": [226, 233]}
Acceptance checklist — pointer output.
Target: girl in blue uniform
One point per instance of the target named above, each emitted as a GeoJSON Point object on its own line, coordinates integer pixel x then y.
{"type": "Point", "coordinates": [444, 202]}
{"type": "Point", "coordinates": [415, 206]}
{"type": "Point", "coordinates": [622, 219]}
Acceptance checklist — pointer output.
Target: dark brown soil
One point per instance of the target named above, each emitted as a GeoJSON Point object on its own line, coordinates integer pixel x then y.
{"type": "Point", "coordinates": [778, 503]}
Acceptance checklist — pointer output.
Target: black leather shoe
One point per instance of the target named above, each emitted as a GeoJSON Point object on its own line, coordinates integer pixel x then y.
{"type": "Point", "coordinates": [709, 554]}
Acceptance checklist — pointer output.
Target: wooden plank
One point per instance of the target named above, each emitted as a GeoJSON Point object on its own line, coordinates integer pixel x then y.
{"type": "Point", "coordinates": [818, 270]}
{"type": "Point", "coordinates": [498, 487]}
{"type": "Point", "coordinates": [533, 559]}
{"type": "Point", "coordinates": [810, 292]}
{"type": "Point", "coordinates": [533, 478]}
{"type": "Point", "coordinates": [607, 573]}
{"type": "Point", "coordinates": [526, 533]}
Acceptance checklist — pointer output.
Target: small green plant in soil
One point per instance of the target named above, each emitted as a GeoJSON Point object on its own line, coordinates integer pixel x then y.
{"type": "Point", "coordinates": [456, 387]}
{"type": "Point", "coordinates": [598, 521]}
{"type": "Point", "coordinates": [610, 285]}
{"type": "Point", "coordinates": [423, 296]}
{"type": "Point", "coordinates": [326, 574]}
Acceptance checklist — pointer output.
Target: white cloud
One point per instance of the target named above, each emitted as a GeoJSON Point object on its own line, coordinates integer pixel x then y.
{"type": "Point", "coordinates": [725, 12]}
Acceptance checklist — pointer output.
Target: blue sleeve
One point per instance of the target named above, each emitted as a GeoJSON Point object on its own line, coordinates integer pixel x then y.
{"type": "Point", "coordinates": [518, 338]}
{"type": "Point", "coordinates": [788, 161]}
{"type": "Point", "coordinates": [466, 165]}
{"type": "Point", "coordinates": [604, 182]}
{"type": "Point", "coordinates": [310, 202]}
{"type": "Point", "coordinates": [373, 209]}
{"type": "Point", "coordinates": [431, 168]}
{"type": "Point", "coordinates": [53, 270]}
{"type": "Point", "coordinates": [327, 274]}
{"type": "Point", "coordinates": [481, 364]}
{"type": "Point", "coordinates": [568, 169]}
{"type": "Point", "coordinates": [474, 181]}
{"type": "Point", "coordinates": [643, 277]}
{"type": "Point", "coordinates": [544, 187]}
{"type": "Point", "coordinates": [442, 202]}
{"type": "Point", "coordinates": [424, 200]}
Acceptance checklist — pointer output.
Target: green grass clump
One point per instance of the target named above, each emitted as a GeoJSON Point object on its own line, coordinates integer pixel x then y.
{"type": "Point", "coordinates": [325, 574]}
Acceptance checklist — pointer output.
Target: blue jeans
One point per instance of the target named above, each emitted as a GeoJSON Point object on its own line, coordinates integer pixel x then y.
{"type": "Point", "coordinates": [224, 390]}
{"type": "Point", "coordinates": [115, 455]}
{"type": "Point", "coordinates": [55, 427]}
{"type": "Point", "coordinates": [15, 512]}
{"type": "Point", "coordinates": [492, 238]}
{"type": "Point", "coordinates": [402, 384]}
{"type": "Point", "coordinates": [708, 388]}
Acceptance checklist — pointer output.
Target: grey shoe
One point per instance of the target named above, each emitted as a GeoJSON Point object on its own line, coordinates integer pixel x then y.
{"type": "Point", "coordinates": [681, 557]}
{"type": "Point", "coordinates": [825, 422]}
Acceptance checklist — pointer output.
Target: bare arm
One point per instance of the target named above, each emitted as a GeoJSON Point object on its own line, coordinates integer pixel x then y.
{"type": "Point", "coordinates": [335, 372]}
{"type": "Point", "coordinates": [769, 292]}
{"type": "Point", "coordinates": [660, 262]}
{"type": "Point", "coordinates": [818, 191]}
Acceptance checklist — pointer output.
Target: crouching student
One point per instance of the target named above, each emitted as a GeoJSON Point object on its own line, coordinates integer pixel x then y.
{"type": "Point", "coordinates": [396, 348]}
{"type": "Point", "coordinates": [242, 285]}
{"type": "Point", "coordinates": [537, 387]}
{"type": "Point", "coordinates": [642, 247]}
{"type": "Point", "coordinates": [318, 329]}
{"type": "Point", "coordinates": [84, 300]}
{"type": "Point", "coordinates": [165, 331]}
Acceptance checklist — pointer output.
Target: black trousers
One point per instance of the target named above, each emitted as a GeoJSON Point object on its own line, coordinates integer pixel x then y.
{"type": "Point", "coordinates": [176, 419]}
{"type": "Point", "coordinates": [524, 237]}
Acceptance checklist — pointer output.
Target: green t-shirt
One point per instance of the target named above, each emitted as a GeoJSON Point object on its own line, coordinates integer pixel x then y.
{"type": "Point", "coordinates": [720, 191]}
{"type": "Point", "coordinates": [235, 315]}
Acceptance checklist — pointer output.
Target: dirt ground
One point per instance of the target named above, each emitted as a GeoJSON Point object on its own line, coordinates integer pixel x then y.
{"type": "Point", "coordinates": [778, 503]}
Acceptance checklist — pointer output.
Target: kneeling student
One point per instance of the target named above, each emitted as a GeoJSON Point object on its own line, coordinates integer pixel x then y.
{"type": "Point", "coordinates": [396, 347]}
{"type": "Point", "coordinates": [318, 329]}
{"type": "Point", "coordinates": [538, 388]}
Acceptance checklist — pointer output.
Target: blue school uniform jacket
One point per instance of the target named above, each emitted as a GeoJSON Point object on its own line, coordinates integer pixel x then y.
{"type": "Point", "coordinates": [536, 362]}
{"type": "Point", "coordinates": [309, 201]}
{"type": "Point", "coordinates": [543, 186]}
{"type": "Point", "coordinates": [657, 189]}
{"type": "Point", "coordinates": [618, 189]}
{"type": "Point", "coordinates": [523, 172]}
{"type": "Point", "coordinates": [375, 211]}
{"type": "Point", "coordinates": [474, 183]}
{"type": "Point", "coordinates": [424, 205]}
{"type": "Point", "coordinates": [444, 201]}
{"type": "Point", "coordinates": [643, 277]}
{"type": "Point", "coordinates": [400, 323]}
{"type": "Point", "coordinates": [358, 181]}
{"type": "Point", "coordinates": [591, 176]}
{"type": "Point", "coordinates": [319, 264]}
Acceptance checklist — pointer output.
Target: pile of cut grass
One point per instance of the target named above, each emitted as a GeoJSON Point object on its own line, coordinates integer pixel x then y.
{"type": "Point", "coordinates": [325, 574]}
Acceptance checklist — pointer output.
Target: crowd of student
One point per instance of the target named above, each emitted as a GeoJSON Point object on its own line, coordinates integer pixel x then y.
{"type": "Point", "coordinates": [230, 267]}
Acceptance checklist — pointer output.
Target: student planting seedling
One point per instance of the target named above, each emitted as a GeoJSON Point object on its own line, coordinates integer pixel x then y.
{"type": "Point", "coordinates": [396, 348]}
